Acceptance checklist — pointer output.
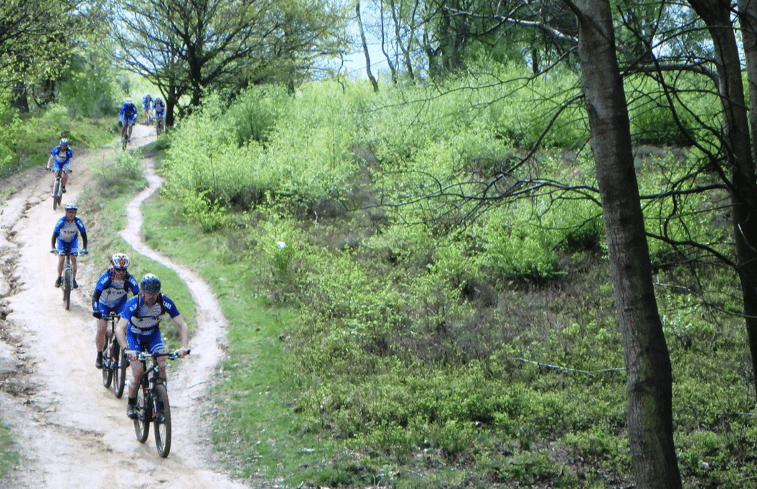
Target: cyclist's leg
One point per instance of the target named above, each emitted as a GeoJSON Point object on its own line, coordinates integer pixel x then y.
{"type": "Point", "coordinates": [74, 250]}
{"type": "Point", "coordinates": [65, 174]}
{"type": "Point", "coordinates": [134, 344]}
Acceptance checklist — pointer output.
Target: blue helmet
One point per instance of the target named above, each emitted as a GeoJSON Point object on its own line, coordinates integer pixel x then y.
{"type": "Point", "coordinates": [64, 142]}
{"type": "Point", "coordinates": [150, 283]}
{"type": "Point", "coordinates": [71, 207]}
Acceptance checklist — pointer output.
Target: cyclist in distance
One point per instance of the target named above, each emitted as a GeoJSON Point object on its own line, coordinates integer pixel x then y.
{"type": "Point", "coordinates": [147, 106]}
{"type": "Point", "coordinates": [160, 109]}
{"type": "Point", "coordinates": [110, 295]}
{"type": "Point", "coordinates": [127, 117]}
{"type": "Point", "coordinates": [60, 158]}
{"type": "Point", "coordinates": [66, 239]}
{"type": "Point", "coordinates": [139, 330]}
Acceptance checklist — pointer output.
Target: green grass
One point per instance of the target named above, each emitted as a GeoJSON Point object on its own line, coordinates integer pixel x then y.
{"type": "Point", "coordinates": [8, 454]}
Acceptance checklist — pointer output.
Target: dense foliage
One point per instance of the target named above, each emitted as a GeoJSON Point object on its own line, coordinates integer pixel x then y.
{"type": "Point", "coordinates": [433, 335]}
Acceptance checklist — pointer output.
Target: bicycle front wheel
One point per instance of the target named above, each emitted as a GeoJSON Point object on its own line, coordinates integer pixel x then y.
{"type": "Point", "coordinates": [68, 283]}
{"type": "Point", "coordinates": [144, 415]}
{"type": "Point", "coordinates": [119, 370]}
{"type": "Point", "coordinates": [162, 421]}
{"type": "Point", "coordinates": [108, 362]}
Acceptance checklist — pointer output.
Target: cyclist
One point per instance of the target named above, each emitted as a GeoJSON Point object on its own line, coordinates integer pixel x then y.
{"type": "Point", "coordinates": [60, 158]}
{"type": "Point", "coordinates": [147, 106]}
{"type": "Point", "coordinates": [139, 329]}
{"type": "Point", "coordinates": [160, 110]}
{"type": "Point", "coordinates": [110, 295]}
{"type": "Point", "coordinates": [127, 117]}
{"type": "Point", "coordinates": [66, 239]}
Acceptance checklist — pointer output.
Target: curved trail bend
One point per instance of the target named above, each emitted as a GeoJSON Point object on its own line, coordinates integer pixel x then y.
{"type": "Point", "coordinates": [72, 432]}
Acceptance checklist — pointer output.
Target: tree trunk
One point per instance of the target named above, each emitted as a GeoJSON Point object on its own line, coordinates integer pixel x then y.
{"type": "Point", "coordinates": [717, 17]}
{"type": "Point", "coordinates": [649, 376]}
{"type": "Point", "coordinates": [747, 239]}
{"type": "Point", "coordinates": [365, 49]}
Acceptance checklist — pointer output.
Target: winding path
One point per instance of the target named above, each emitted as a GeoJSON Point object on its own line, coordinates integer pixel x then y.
{"type": "Point", "coordinates": [72, 432]}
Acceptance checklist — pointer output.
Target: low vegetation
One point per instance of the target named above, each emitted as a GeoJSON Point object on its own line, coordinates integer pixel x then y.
{"type": "Point", "coordinates": [384, 332]}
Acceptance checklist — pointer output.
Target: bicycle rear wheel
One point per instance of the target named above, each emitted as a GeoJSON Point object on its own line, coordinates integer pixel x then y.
{"type": "Point", "coordinates": [144, 415]}
{"type": "Point", "coordinates": [119, 370]}
{"type": "Point", "coordinates": [68, 283]}
{"type": "Point", "coordinates": [162, 421]}
{"type": "Point", "coordinates": [108, 361]}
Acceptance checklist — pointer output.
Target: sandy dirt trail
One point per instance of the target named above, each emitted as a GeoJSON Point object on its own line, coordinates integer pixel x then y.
{"type": "Point", "coordinates": [72, 431]}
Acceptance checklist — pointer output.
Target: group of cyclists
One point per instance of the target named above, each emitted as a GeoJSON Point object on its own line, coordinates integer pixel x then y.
{"type": "Point", "coordinates": [138, 327]}
{"type": "Point", "coordinates": [128, 114]}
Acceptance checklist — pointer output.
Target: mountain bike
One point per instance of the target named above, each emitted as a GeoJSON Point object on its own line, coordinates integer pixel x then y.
{"type": "Point", "coordinates": [114, 359]}
{"type": "Point", "coordinates": [125, 136]}
{"type": "Point", "coordinates": [152, 403]}
{"type": "Point", "coordinates": [160, 123]}
{"type": "Point", "coordinates": [57, 192]}
{"type": "Point", "coordinates": [67, 279]}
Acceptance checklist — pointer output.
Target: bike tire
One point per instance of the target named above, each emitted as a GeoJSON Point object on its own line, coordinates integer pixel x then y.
{"type": "Point", "coordinates": [144, 415]}
{"type": "Point", "coordinates": [107, 368]}
{"type": "Point", "coordinates": [124, 142]}
{"type": "Point", "coordinates": [162, 422]}
{"type": "Point", "coordinates": [68, 283]}
{"type": "Point", "coordinates": [119, 370]}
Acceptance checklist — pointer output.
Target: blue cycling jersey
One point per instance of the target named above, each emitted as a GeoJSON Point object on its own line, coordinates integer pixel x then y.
{"type": "Point", "coordinates": [128, 114]}
{"type": "Point", "coordinates": [61, 159]}
{"type": "Point", "coordinates": [143, 320]}
{"type": "Point", "coordinates": [110, 295]}
{"type": "Point", "coordinates": [68, 231]}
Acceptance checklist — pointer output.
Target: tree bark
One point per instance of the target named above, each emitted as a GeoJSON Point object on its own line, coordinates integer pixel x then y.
{"type": "Point", "coordinates": [649, 375]}
{"type": "Point", "coordinates": [365, 49]}
{"type": "Point", "coordinates": [738, 146]}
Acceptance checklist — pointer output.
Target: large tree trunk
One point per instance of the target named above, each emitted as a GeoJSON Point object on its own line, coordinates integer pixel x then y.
{"type": "Point", "coordinates": [649, 377]}
{"type": "Point", "coordinates": [747, 242]}
{"type": "Point", "coordinates": [717, 16]}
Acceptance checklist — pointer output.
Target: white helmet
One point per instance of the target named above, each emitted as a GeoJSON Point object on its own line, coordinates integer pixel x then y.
{"type": "Point", "coordinates": [120, 261]}
{"type": "Point", "coordinates": [128, 100]}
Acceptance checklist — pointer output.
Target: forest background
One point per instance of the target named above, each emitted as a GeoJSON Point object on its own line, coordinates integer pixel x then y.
{"type": "Point", "coordinates": [414, 263]}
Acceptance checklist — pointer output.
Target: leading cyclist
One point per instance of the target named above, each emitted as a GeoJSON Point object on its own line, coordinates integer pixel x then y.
{"type": "Point", "coordinates": [139, 329]}
{"type": "Point", "coordinates": [111, 292]}
{"type": "Point", "coordinates": [60, 158]}
{"type": "Point", "coordinates": [127, 117]}
{"type": "Point", "coordinates": [66, 239]}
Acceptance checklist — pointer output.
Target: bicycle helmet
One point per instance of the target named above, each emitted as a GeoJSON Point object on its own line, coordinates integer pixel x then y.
{"type": "Point", "coordinates": [120, 261]}
{"type": "Point", "coordinates": [64, 142]}
{"type": "Point", "coordinates": [71, 207]}
{"type": "Point", "coordinates": [150, 283]}
{"type": "Point", "coordinates": [128, 101]}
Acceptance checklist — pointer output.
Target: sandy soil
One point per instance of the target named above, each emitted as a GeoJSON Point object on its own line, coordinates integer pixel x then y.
{"type": "Point", "coordinates": [72, 431]}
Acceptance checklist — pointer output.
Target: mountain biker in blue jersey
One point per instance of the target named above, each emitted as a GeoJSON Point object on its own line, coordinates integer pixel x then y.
{"type": "Point", "coordinates": [111, 292]}
{"type": "Point", "coordinates": [139, 330]}
{"type": "Point", "coordinates": [66, 238]}
{"type": "Point", "coordinates": [147, 106]}
{"type": "Point", "coordinates": [160, 108]}
{"type": "Point", "coordinates": [127, 117]}
{"type": "Point", "coordinates": [60, 158]}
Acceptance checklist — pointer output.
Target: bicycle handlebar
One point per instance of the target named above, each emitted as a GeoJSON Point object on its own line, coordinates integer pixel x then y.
{"type": "Point", "coordinates": [172, 355]}
{"type": "Point", "coordinates": [63, 253]}
{"type": "Point", "coordinates": [63, 170]}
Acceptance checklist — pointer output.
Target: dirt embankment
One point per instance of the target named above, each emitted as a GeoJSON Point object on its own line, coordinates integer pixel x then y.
{"type": "Point", "coordinates": [72, 432]}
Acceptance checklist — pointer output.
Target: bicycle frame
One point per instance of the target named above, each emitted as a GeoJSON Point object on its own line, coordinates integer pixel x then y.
{"type": "Point", "coordinates": [57, 192]}
{"type": "Point", "coordinates": [152, 403]}
{"type": "Point", "coordinates": [114, 359]}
